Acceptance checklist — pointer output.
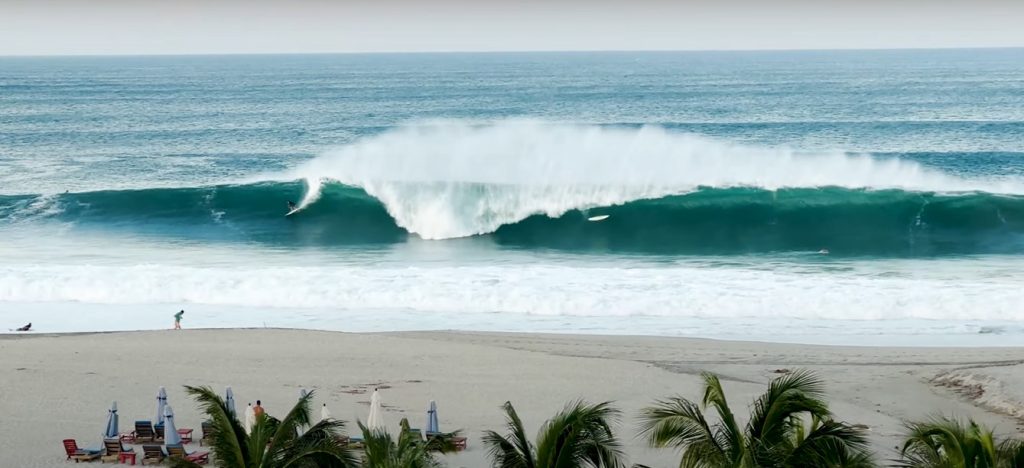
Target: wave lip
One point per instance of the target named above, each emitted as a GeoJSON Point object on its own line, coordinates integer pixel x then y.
{"type": "Point", "coordinates": [533, 185]}
{"type": "Point", "coordinates": [449, 179]}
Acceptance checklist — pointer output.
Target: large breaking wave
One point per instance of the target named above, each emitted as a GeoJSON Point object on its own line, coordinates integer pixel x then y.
{"type": "Point", "coordinates": [531, 184]}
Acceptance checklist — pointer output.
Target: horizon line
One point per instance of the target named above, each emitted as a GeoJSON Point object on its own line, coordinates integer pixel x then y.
{"type": "Point", "coordinates": [497, 52]}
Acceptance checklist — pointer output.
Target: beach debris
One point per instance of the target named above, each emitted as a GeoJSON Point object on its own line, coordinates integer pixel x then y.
{"type": "Point", "coordinates": [781, 371]}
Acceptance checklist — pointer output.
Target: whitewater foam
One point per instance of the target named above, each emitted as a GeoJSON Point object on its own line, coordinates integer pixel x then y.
{"type": "Point", "coordinates": [448, 179]}
{"type": "Point", "coordinates": [618, 288]}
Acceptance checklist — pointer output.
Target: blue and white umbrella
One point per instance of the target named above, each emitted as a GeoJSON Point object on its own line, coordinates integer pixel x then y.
{"type": "Point", "coordinates": [229, 400]}
{"type": "Point", "coordinates": [161, 402]}
{"type": "Point", "coordinates": [171, 436]}
{"type": "Point", "coordinates": [432, 426]}
{"type": "Point", "coordinates": [111, 432]}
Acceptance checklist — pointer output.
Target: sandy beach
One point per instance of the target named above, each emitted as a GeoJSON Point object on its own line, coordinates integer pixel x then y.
{"type": "Point", "coordinates": [60, 386]}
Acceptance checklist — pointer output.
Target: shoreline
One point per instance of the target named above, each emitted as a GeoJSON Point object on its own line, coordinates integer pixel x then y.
{"type": "Point", "coordinates": [71, 318]}
{"type": "Point", "coordinates": [72, 378]}
{"type": "Point", "coordinates": [8, 334]}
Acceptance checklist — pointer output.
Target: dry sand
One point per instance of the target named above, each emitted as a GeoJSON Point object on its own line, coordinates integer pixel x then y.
{"type": "Point", "coordinates": [57, 387]}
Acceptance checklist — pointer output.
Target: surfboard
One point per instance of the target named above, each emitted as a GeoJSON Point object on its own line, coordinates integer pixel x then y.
{"type": "Point", "coordinates": [296, 210]}
{"type": "Point", "coordinates": [598, 218]}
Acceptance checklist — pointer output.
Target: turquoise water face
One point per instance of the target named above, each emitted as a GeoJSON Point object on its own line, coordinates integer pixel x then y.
{"type": "Point", "coordinates": [461, 184]}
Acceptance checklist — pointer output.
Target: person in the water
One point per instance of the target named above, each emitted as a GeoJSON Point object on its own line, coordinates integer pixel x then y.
{"type": "Point", "coordinates": [291, 206]}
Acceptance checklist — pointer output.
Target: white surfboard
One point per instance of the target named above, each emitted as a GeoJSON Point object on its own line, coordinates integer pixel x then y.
{"type": "Point", "coordinates": [296, 210]}
{"type": "Point", "coordinates": [598, 218]}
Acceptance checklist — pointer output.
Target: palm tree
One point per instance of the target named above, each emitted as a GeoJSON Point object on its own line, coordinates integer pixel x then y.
{"type": "Point", "coordinates": [946, 442]}
{"type": "Point", "coordinates": [380, 450]}
{"type": "Point", "coordinates": [271, 443]}
{"type": "Point", "coordinates": [578, 436]}
{"type": "Point", "coordinates": [775, 436]}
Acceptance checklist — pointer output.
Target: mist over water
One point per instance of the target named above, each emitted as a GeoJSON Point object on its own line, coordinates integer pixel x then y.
{"type": "Point", "coordinates": [741, 193]}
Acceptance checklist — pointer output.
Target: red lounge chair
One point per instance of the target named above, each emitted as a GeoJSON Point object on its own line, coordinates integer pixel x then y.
{"type": "Point", "coordinates": [79, 454]}
{"type": "Point", "coordinates": [178, 451]}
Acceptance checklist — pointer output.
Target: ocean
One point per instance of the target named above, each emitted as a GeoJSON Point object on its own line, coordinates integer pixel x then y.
{"type": "Point", "coordinates": [846, 197]}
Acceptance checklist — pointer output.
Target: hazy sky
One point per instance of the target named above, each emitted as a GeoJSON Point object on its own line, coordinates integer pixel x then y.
{"type": "Point", "coordinates": [39, 27]}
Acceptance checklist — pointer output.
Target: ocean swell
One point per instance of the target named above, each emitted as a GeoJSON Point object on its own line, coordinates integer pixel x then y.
{"type": "Point", "coordinates": [533, 185]}
{"type": "Point", "coordinates": [451, 179]}
{"type": "Point", "coordinates": [705, 221]}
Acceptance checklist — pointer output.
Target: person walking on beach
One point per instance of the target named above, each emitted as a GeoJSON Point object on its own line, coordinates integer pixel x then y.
{"type": "Point", "coordinates": [177, 319]}
{"type": "Point", "coordinates": [258, 409]}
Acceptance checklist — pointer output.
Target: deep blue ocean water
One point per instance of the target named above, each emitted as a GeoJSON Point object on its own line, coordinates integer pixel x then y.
{"type": "Point", "coordinates": [807, 196]}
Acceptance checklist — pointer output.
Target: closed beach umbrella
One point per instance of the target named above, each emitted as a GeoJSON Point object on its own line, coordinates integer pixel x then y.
{"type": "Point", "coordinates": [250, 419]}
{"type": "Point", "coordinates": [432, 425]}
{"type": "Point", "coordinates": [161, 402]}
{"type": "Point", "coordinates": [229, 400]}
{"type": "Point", "coordinates": [171, 436]}
{"type": "Point", "coordinates": [325, 414]}
{"type": "Point", "coordinates": [111, 432]}
{"type": "Point", "coordinates": [376, 420]}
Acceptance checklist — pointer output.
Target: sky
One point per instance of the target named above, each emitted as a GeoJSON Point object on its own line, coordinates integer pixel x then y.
{"type": "Point", "coordinates": [77, 27]}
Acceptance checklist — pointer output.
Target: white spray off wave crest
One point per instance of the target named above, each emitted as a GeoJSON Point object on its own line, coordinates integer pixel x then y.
{"type": "Point", "coordinates": [450, 179]}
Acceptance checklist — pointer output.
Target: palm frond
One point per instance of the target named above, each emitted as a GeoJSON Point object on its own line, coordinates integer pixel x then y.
{"type": "Point", "coordinates": [678, 422]}
{"type": "Point", "coordinates": [936, 442]}
{"type": "Point", "coordinates": [775, 436]}
{"type": "Point", "coordinates": [727, 434]}
{"type": "Point", "coordinates": [1011, 453]}
{"type": "Point", "coordinates": [381, 450]}
{"type": "Point", "coordinates": [229, 443]}
{"type": "Point", "coordinates": [771, 420]}
{"type": "Point", "coordinates": [948, 442]}
{"type": "Point", "coordinates": [830, 444]}
{"type": "Point", "coordinates": [579, 435]}
{"type": "Point", "coordinates": [513, 450]}
{"type": "Point", "coordinates": [286, 430]}
{"type": "Point", "coordinates": [321, 446]}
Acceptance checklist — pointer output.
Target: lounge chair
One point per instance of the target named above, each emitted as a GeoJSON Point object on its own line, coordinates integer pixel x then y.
{"type": "Point", "coordinates": [152, 454]}
{"type": "Point", "coordinates": [143, 432]}
{"type": "Point", "coordinates": [207, 427]}
{"type": "Point", "coordinates": [80, 454]}
{"type": "Point", "coordinates": [451, 439]}
{"type": "Point", "coordinates": [158, 433]}
{"type": "Point", "coordinates": [178, 451]}
{"type": "Point", "coordinates": [114, 449]}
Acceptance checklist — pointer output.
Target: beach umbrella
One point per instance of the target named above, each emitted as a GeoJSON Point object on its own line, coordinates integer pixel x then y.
{"type": "Point", "coordinates": [325, 414]}
{"type": "Point", "coordinates": [161, 402]}
{"type": "Point", "coordinates": [171, 436]}
{"type": "Point", "coordinates": [432, 426]}
{"type": "Point", "coordinates": [111, 432]}
{"type": "Point", "coordinates": [375, 422]}
{"type": "Point", "coordinates": [229, 400]}
{"type": "Point", "coordinates": [250, 419]}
